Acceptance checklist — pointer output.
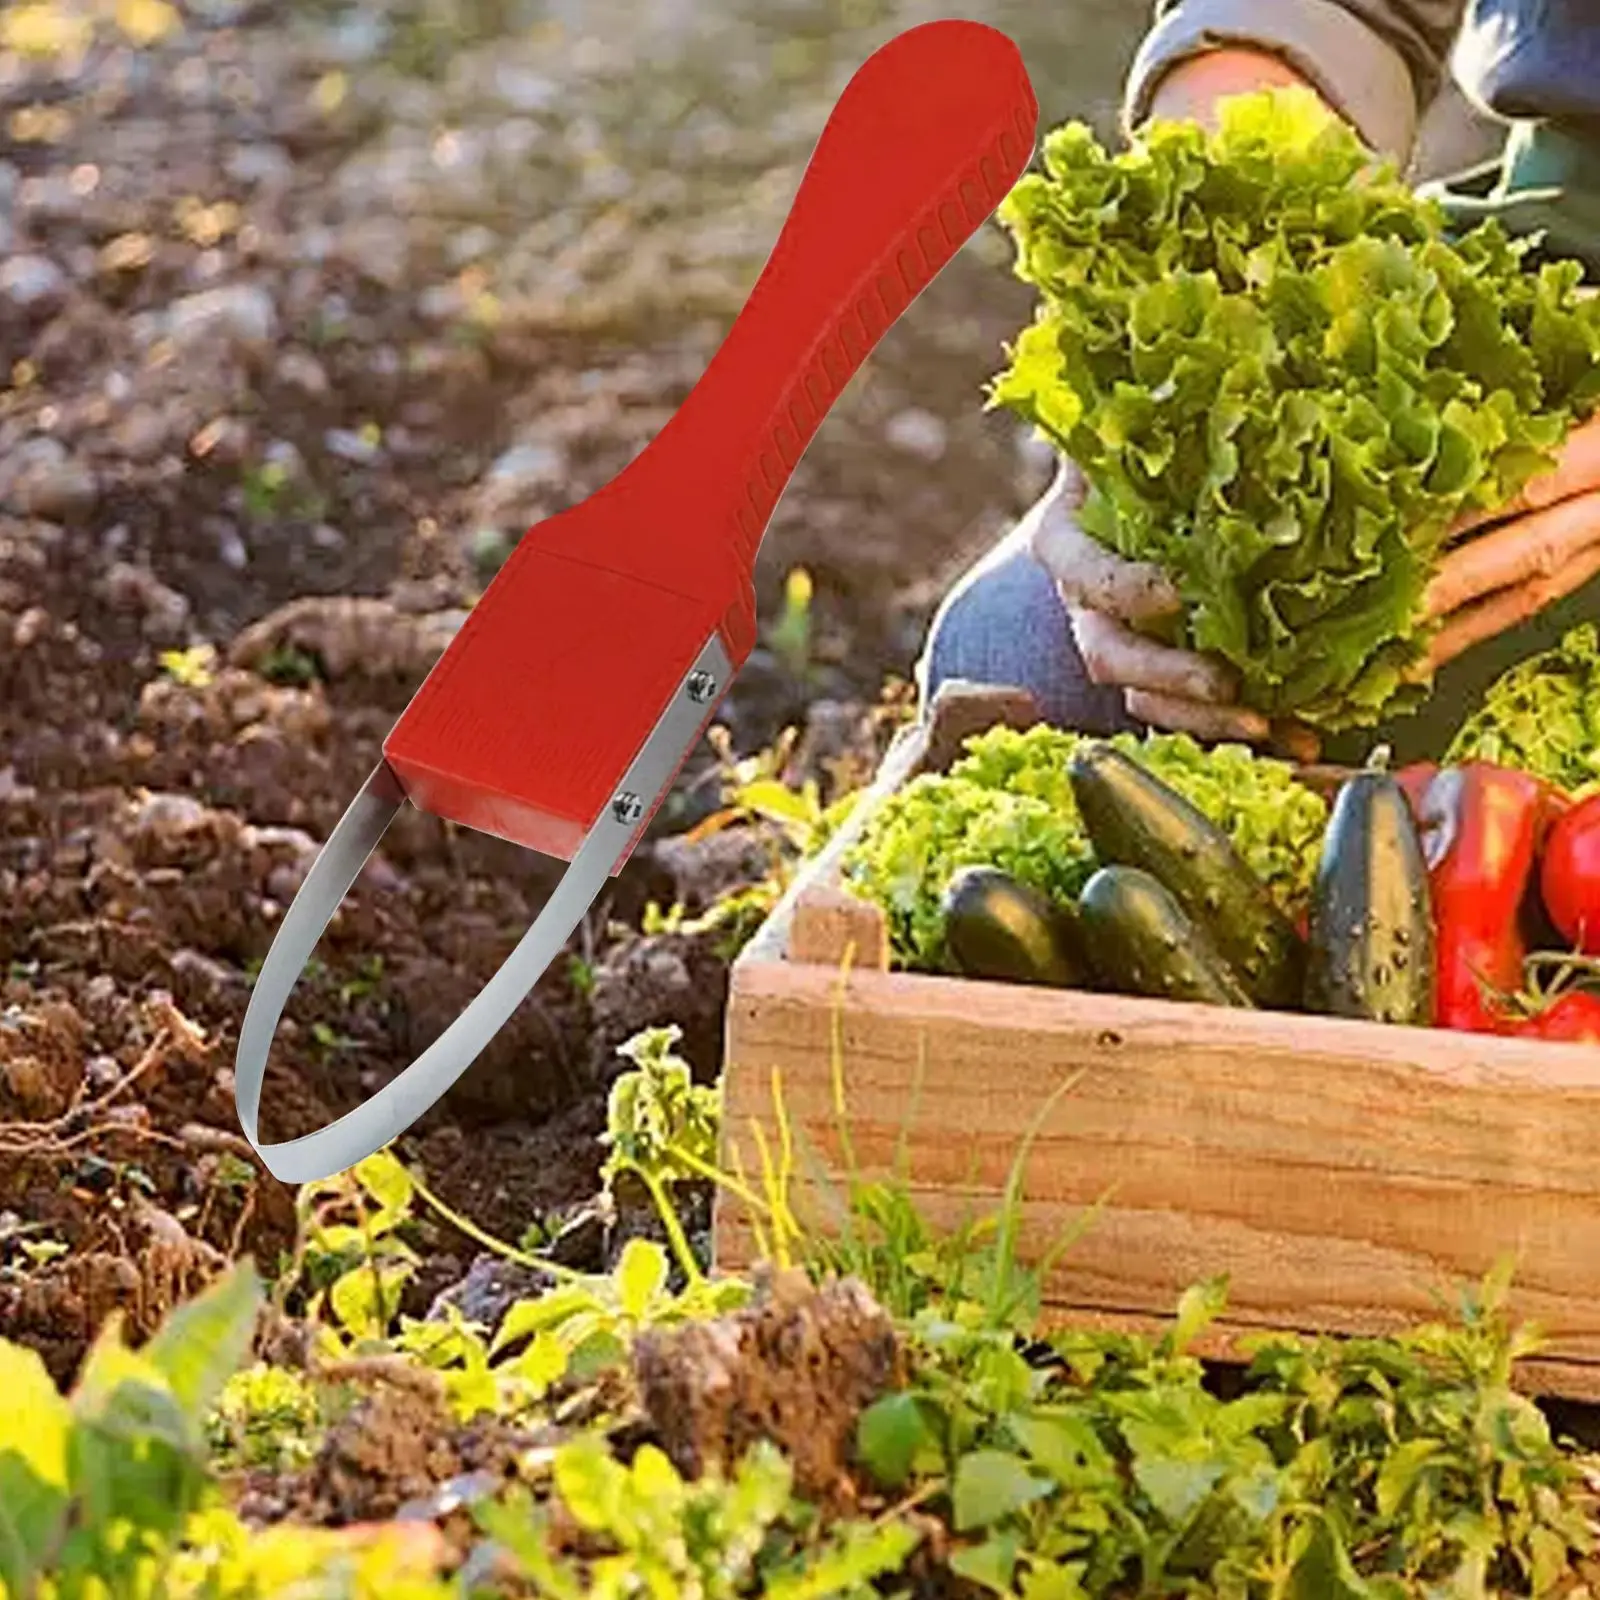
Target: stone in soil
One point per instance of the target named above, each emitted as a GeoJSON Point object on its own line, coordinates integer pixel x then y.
{"type": "Point", "coordinates": [32, 285]}
{"type": "Point", "coordinates": [42, 478]}
{"type": "Point", "coordinates": [491, 1287]}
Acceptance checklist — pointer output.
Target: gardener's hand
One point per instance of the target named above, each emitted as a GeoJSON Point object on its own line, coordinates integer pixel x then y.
{"type": "Point", "coordinates": [1108, 600]}
{"type": "Point", "coordinates": [1507, 566]}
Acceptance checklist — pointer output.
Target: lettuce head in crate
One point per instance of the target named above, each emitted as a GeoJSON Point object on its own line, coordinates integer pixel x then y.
{"type": "Point", "coordinates": [1284, 382]}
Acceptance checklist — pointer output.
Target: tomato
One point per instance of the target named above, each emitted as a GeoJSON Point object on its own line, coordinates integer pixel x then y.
{"type": "Point", "coordinates": [1573, 1019]}
{"type": "Point", "coordinates": [1569, 880]}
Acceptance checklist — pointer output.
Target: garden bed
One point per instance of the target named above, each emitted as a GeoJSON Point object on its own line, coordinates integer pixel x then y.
{"type": "Point", "coordinates": [1344, 1175]}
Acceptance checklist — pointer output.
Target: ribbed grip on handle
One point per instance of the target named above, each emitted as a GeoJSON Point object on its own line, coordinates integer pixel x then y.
{"type": "Point", "coordinates": [926, 140]}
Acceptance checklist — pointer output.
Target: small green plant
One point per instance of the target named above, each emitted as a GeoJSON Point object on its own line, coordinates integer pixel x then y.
{"type": "Point", "coordinates": [95, 1483]}
{"type": "Point", "coordinates": [1393, 1469]}
{"type": "Point", "coordinates": [797, 823]}
{"type": "Point", "coordinates": [789, 637]}
{"type": "Point", "coordinates": [365, 984]}
{"type": "Point", "coordinates": [30, 1240]}
{"type": "Point", "coordinates": [350, 1253]}
{"type": "Point", "coordinates": [713, 1539]}
{"type": "Point", "coordinates": [328, 1040]}
{"type": "Point", "coordinates": [289, 666]}
{"type": "Point", "coordinates": [675, 919]}
{"type": "Point", "coordinates": [588, 1322]}
{"type": "Point", "coordinates": [474, 1381]}
{"type": "Point", "coordinates": [661, 1127]}
{"type": "Point", "coordinates": [272, 492]}
{"type": "Point", "coordinates": [266, 1416]}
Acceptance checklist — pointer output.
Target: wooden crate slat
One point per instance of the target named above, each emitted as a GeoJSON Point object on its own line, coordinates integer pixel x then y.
{"type": "Point", "coordinates": [1521, 1113]}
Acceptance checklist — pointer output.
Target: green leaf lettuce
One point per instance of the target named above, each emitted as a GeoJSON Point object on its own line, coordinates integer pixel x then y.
{"type": "Point", "coordinates": [1283, 384]}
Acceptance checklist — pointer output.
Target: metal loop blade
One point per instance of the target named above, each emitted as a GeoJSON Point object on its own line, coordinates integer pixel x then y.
{"type": "Point", "coordinates": [393, 1108]}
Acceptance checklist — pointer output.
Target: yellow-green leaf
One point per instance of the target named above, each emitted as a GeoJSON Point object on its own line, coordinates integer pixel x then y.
{"type": "Point", "coordinates": [641, 1274]}
{"type": "Point", "coordinates": [388, 1182]}
{"type": "Point", "coordinates": [589, 1482]}
{"type": "Point", "coordinates": [367, 1298]}
{"type": "Point", "coordinates": [1400, 1472]}
{"type": "Point", "coordinates": [202, 1344]}
{"type": "Point", "coordinates": [778, 802]}
{"type": "Point", "coordinates": [548, 1311]}
{"type": "Point", "coordinates": [655, 1479]}
{"type": "Point", "coordinates": [44, 30]}
{"type": "Point", "coordinates": [543, 1363]}
{"type": "Point", "coordinates": [1034, 384]}
{"type": "Point", "coordinates": [990, 1485]}
{"type": "Point", "coordinates": [34, 1425]}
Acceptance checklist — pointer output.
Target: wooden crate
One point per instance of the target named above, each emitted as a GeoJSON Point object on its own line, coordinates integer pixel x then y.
{"type": "Point", "coordinates": [1344, 1175]}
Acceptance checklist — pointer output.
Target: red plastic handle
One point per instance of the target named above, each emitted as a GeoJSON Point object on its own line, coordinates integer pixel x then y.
{"type": "Point", "coordinates": [561, 671]}
{"type": "Point", "coordinates": [924, 143]}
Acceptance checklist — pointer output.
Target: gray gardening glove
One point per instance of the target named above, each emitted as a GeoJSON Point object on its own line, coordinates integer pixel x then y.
{"type": "Point", "coordinates": [1108, 599]}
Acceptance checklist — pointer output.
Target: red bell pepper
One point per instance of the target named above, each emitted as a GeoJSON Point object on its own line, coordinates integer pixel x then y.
{"type": "Point", "coordinates": [1481, 828]}
{"type": "Point", "coordinates": [1570, 877]}
{"type": "Point", "coordinates": [1415, 782]}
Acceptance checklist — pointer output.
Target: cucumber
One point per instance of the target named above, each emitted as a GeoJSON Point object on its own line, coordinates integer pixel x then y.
{"type": "Point", "coordinates": [1371, 951]}
{"type": "Point", "coordinates": [1133, 819]}
{"type": "Point", "coordinates": [1142, 942]}
{"type": "Point", "coordinates": [995, 927]}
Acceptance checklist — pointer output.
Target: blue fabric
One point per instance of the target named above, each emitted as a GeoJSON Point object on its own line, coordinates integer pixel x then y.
{"type": "Point", "coordinates": [1536, 59]}
{"type": "Point", "coordinates": [1004, 623]}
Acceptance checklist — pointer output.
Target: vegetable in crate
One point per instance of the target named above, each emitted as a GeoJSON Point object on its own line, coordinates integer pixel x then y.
{"type": "Point", "coordinates": [924, 833]}
{"type": "Point", "coordinates": [1283, 385]}
{"type": "Point", "coordinates": [1142, 942]}
{"type": "Point", "coordinates": [1274, 820]}
{"type": "Point", "coordinates": [1008, 803]}
{"type": "Point", "coordinates": [1558, 1001]}
{"type": "Point", "coordinates": [1482, 828]}
{"type": "Point", "coordinates": [1135, 820]}
{"type": "Point", "coordinates": [1569, 876]}
{"type": "Point", "coordinates": [1371, 938]}
{"type": "Point", "coordinates": [1543, 716]}
{"type": "Point", "coordinates": [995, 927]}
{"type": "Point", "coordinates": [1573, 1018]}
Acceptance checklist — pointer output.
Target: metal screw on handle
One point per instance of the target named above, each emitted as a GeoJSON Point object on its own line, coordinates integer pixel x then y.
{"type": "Point", "coordinates": [627, 807]}
{"type": "Point", "coordinates": [701, 687]}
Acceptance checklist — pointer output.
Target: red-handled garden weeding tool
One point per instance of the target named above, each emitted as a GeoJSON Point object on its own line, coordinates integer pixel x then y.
{"type": "Point", "coordinates": [560, 714]}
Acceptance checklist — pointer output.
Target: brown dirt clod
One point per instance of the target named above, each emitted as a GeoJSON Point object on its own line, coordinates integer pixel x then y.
{"type": "Point", "coordinates": [395, 1446]}
{"type": "Point", "coordinates": [796, 1367]}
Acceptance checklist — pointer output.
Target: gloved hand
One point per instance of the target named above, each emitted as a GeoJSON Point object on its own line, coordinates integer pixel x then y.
{"type": "Point", "coordinates": [1500, 569]}
{"type": "Point", "coordinates": [1108, 599]}
{"type": "Point", "coordinates": [1506, 566]}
